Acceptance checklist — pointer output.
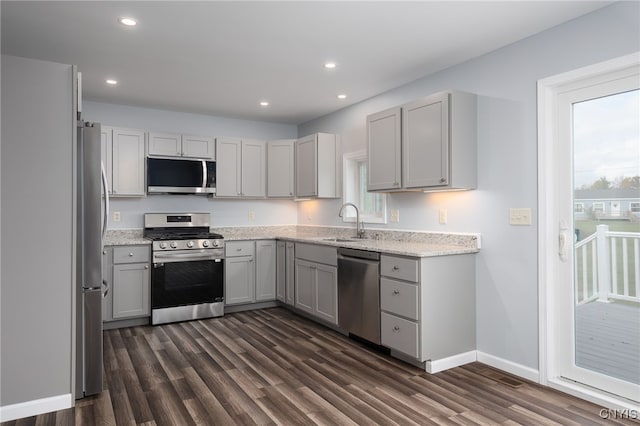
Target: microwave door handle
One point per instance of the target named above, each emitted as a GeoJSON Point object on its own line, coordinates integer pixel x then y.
{"type": "Point", "coordinates": [204, 175]}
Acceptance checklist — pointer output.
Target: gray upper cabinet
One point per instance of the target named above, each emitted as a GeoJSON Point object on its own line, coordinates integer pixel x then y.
{"type": "Point", "coordinates": [241, 168]}
{"type": "Point", "coordinates": [425, 132]}
{"type": "Point", "coordinates": [280, 168]}
{"type": "Point", "coordinates": [168, 144]}
{"type": "Point", "coordinates": [254, 168]}
{"type": "Point", "coordinates": [436, 139]}
{"type": "Point", "coordinates": [198, 147]}
{"type": "Point", "coordinates": [175, 145]}
{"type": "Point", "coordinates": [128, 162]}
{"type": "Point", "coordinates": [385, 153]}
{"type": "Point", "coordinates": [316, 166]}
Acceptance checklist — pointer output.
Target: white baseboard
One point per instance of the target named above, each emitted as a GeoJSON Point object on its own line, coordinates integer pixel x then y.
{"type": "Point", "coordinates": [35, 407]}
{"type": "Point", "coordinates": [509, 366]}
{"type": "Point", "coordinates": [450, 362]}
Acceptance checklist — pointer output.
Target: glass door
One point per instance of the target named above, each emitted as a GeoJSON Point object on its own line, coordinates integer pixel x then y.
{"type": "Point", "coordinates": [599, 236]}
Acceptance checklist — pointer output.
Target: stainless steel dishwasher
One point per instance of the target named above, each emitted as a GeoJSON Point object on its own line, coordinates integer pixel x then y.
{"type": "Point", "coordinates": [359, 293]}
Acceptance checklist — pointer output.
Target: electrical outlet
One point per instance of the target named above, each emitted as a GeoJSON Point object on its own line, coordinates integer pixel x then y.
{"type": "Point", "coordinates": [251, 215]}
{"type": "Point", "coordinates": [520, 216]}
{"type": "Point", "coordinates": [442, 216]}
{"type": "Point", "coordinates": [116, 216]}
{"type": "Point", "coordinates": [395, 215]}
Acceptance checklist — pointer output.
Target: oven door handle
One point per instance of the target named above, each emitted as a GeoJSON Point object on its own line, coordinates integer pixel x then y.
{"type": "Point", "coordinates": [185, 257]}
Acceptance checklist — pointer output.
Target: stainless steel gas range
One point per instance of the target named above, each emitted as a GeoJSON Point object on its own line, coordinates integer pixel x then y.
{"type": "Point", "coordinates": [187, 279]}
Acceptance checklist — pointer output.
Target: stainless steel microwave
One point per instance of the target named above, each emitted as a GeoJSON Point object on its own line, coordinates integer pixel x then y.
{"type": "Point", "coordinates": [180, 176]}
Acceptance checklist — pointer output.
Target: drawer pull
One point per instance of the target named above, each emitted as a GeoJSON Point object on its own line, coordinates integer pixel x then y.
{"type": "Point", "coordinates": [239, 249]}
{"type": "Point", "coordinates": [396, 291]}
{"type": "Point", "coordinates": [396, 328]}
{"type": "Point", "coordinates": [130, 254]}
{"type": "Point", "coordinates": [395, 268]}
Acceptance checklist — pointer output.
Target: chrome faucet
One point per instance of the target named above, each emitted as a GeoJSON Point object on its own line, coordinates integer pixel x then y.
{"type": "Point", "coordinates": [359, 225]}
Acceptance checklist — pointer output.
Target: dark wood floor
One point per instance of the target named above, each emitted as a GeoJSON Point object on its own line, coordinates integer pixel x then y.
{"type": "Point", "coordinates": [274, 367]}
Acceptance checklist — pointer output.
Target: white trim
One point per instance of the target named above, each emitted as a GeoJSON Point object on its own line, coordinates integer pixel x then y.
{"type": "Point", "coordinates": [509, 366]}
{"type": "Point", "coordinates": [450, 362]}
{"type": "Point", "coordinates": [35, 407]}
{"type": "Point", "coordinates": [548, 91]}
{"type": "Point", "coordinates": [590, 394]}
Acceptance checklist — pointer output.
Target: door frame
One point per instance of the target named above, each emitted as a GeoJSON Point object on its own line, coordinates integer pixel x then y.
{"type": "Point", "coordinates": [548, 220]}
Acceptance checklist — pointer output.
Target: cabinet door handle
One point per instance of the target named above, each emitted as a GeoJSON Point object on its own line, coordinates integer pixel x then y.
{"type": "Point", "coordinates": [395, 268]}
{"type": "Point", "coordinates": [104, 252]}
{"type": "Point", "coordinates": [250, 260]}
{"type": "Point", "coordinates": [239, 249]}
{"type": "Point", "coordinates": [396, 291]}
{"type": "Point", "coordinates": [396, 328]}
{"type": "Point", "coordinates": [130, 254]}
{"type": "Point", "coordinates": [443, 180]}
{"type": "Point", "coordinates": [146, 266]}
{"type": "Point", "coordinates": [396, 184]}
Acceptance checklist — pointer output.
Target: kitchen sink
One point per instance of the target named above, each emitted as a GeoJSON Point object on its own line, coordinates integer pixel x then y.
{"type": "Point", "coordinates": [342, 240]}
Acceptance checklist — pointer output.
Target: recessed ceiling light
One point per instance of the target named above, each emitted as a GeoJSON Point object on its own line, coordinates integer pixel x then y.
{"type": "Point", "coordinates": [111, 82]}
{"type": "Point", "coordinates": [330, 65]}
{"type": "Point", "coordinates": [342, 96]}
{"type": "Point", "coordinates": [129, 22]}
{"type": "Point", "coordinates": [264, 103]}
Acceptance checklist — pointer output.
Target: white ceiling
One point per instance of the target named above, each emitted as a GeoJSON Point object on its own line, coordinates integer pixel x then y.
{"type": "Point", "coordinates": [222, 58]}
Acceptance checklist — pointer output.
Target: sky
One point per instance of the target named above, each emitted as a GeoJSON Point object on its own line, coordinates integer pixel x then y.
{"type": "Point", "coordinates": [606, 137]}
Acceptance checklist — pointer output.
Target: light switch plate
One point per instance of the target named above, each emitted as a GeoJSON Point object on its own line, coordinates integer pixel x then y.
{"type": "Point", "coordinates": [442, 216]}
{"type": "Point", "coordinates": [520, 216]}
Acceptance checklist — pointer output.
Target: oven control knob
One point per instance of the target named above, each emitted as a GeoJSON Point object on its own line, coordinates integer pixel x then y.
{"type": "Point", "coordinates": [173, 244]}
{"type": "Point", "coordinates": [163, 245]}
{"type": "Point", "coordinates": [216, 243]}
{"type": "Point", "coordinates": [190, 244]}
{"type": "Point", "coordinates": [205, 243]}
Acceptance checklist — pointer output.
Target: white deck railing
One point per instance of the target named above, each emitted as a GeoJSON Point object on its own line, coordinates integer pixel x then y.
{"type": "Point", "coordinates": [607, 266]}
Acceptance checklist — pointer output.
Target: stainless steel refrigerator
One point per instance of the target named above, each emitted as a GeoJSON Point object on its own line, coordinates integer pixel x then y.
{"type": "Point", "coordinates": [92, 213]}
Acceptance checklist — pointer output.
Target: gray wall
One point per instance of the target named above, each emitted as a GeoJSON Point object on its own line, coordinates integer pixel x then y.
{"type": "Point", "coordinates": [36, 308]}
{"type": "Point", "coordinates": [505, 80]}
{"type": "Point", "coordinates": [223, 212]}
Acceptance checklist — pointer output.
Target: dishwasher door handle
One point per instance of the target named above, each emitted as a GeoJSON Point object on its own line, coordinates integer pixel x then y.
{"type": "Point", "coordinates": [359, 260]}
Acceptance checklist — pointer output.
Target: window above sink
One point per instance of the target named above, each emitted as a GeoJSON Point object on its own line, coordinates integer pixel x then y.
{"type": "Point", "coordinates": [373, 206]}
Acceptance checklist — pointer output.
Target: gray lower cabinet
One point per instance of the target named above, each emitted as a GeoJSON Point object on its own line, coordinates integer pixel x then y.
{"type": "Point", "coordinates": [240, 280]}
{"type": "Point", "coordinates": [428, 305]}
{"type": "Point", "coordinates": [290, 274]}
{"type": "Point", "coordinates": [316, 281]}
{"type": "Point", "coordinates": [285, 272]}
{"type": "Point", "coordinates": [126, 272]}
{"type": "Point", "coordinates": [281, 275]}
{"type": "Point", "coordinates": [265, 270]}
{"type": "Point", "coordinates": [250, 271]}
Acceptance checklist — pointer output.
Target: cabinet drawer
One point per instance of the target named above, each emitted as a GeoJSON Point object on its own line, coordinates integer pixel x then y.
{"type": "Point", "coordinates": [131, 254]}
{"type": "Point", "coordinates": [239, 248]}
{"type": "Point", "coordinates": [399, 298]}
{"type": "Point", "coordinates": [399, 267]}
{"type": "Point", "coordinates": [317, 253]}
{"type": "Point", "coordinates": [399, 334]}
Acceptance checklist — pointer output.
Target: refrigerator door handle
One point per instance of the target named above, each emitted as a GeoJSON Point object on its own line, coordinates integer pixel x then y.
{"type": "Point", "coordinates": [105, 286]}
{"type": "Point", "coordinates": [105, 187]}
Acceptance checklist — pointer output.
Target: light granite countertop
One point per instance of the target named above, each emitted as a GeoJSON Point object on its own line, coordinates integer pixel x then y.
{"type": "Point", "coordinates": [405, 243]}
